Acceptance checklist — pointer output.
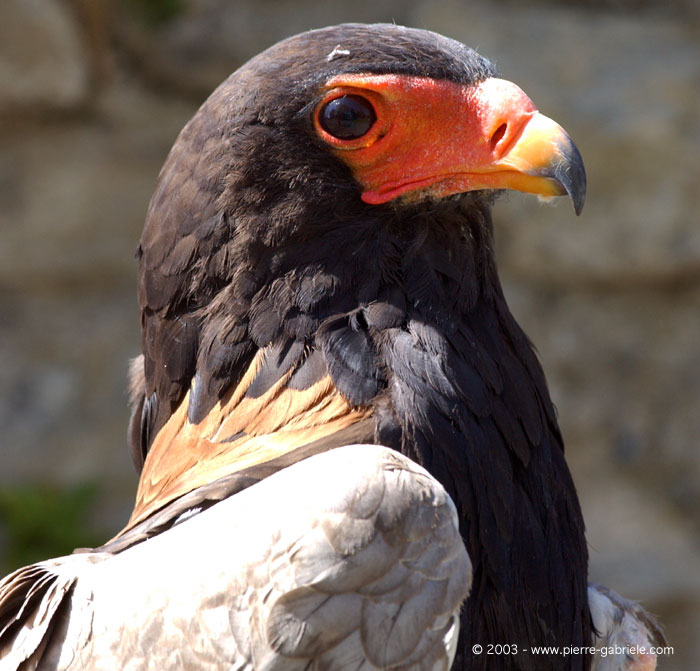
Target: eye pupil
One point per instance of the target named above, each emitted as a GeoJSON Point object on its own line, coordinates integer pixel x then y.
{"type": "Point", "coordinates": [348, 117]}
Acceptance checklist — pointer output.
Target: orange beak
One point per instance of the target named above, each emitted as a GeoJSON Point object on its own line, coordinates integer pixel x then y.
{"type": "Point", "coordinates": [439, 138]}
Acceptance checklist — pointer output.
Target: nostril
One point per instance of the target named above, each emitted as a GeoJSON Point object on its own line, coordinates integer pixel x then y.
{"type": "Point", "coordinates": [498, 135]}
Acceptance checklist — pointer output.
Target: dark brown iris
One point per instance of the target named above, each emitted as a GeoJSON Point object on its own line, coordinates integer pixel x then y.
{"type": "Point", "coordinates": [348, 117]}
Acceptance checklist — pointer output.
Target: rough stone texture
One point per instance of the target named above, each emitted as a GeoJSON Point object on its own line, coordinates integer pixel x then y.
{"type": "Point", "coordinates": [73, 195]}
{"type": "Point", "coordinates": [612, 300]}
{"type": "Point", "coordinates": [41, 57]}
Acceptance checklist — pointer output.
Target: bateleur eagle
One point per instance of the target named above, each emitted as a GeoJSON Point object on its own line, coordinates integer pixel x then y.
{"type": "Point", "coordinates": [316, 272]}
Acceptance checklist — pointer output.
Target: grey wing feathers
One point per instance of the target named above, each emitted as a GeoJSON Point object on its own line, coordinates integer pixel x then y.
{"type": "Point", "coordinates": [31, 600]}
{"type": "Point", "coordinates": [381, 581]}
{"type": "Point", "coordinates": [625, 632]}
{"type": "Point", "coordinates": [350, 559]}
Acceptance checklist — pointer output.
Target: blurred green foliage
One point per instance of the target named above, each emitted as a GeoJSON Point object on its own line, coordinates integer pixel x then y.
{"type": "Point", "coordinates": [156, 12]}
{"type": "Point", "coordinates": [41, 521]}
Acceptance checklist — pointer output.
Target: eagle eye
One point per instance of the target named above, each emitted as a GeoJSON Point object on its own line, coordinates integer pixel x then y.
{"type": "Point", "coordinates": [348, 117]}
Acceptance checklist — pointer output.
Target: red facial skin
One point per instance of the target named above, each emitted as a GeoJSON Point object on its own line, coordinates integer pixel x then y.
{"type": "Point", "coordinates": [438, 138]}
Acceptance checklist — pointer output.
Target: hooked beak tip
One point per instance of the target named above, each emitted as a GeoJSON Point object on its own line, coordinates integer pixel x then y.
{"type": "Point", "coordinates": [570, 172]}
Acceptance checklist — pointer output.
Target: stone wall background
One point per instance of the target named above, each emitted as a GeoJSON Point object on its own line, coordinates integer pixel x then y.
{"type": "Point", "coordinates": [92, 95]}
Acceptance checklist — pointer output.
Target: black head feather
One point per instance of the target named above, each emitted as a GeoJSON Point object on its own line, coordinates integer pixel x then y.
{"type": "Point", "coordinates": [248, 175]}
